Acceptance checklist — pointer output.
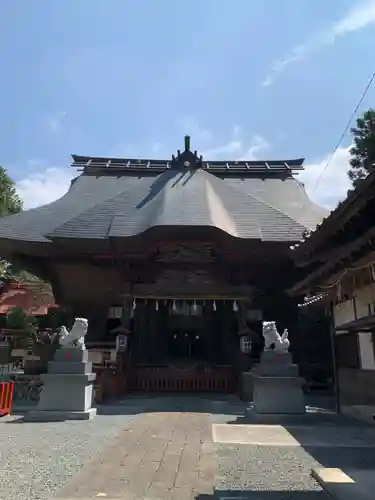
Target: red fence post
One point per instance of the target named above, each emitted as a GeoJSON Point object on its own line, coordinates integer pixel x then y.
{"type": "Point", "coordinates": [6, 397]}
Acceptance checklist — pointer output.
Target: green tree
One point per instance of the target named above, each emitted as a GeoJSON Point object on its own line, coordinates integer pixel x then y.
{"type": "Point", "coordinates": [18, 319]}
{"type": "Point", "coordinates": [362, 153]}
{"type": "Point", "coordinates": [10, 202]}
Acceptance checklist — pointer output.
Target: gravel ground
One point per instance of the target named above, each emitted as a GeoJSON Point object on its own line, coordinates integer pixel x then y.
{"type": "Point", "coordinates": [272, 473]}
{"type": "Point", "coordinates": [36, 459]}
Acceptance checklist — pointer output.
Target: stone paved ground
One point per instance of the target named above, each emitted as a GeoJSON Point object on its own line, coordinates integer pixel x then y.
{"type": "Point", "coordinates": [162, 455]}
{"type": "Point", "coordinates": [161, 448]}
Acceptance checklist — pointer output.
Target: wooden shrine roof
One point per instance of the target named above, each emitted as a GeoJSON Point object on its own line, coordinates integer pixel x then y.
{"type": "Point", "coordinates": [116, 199]}
{"type": "Point", "coordinates": [345, 238]}
{"type": "Point", "coordinates": [227, 167]}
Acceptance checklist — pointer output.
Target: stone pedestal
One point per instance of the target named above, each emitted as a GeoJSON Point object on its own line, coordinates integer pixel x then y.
{"type": "Point", "coordinates": [67, 392]}
{"type": "Point", "coordinates": [278, 390]}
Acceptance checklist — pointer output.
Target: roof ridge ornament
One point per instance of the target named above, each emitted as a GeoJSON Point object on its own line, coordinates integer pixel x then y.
{"type": "Point", "coordinates": [187, 158]}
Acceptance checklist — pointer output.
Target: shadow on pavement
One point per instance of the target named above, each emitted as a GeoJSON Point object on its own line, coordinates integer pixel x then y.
{"type": "Point", "coordinates": [132, 405]}
{"type": "Point", "coordinates": [333, 441]}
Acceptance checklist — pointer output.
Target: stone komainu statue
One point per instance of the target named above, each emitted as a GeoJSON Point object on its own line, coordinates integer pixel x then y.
{"type": "Point", "coordinates": [76, 336]}
{"type": "Point", "coordinates": [272, 338]}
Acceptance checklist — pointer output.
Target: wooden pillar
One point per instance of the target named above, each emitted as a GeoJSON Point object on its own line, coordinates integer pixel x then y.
{"type": "Point", "coordinates": [208, 333]}
{"type": "Point", "coordinates": [141, 327]}
{"type": "Point", "coordinates": [152, 343]}
{"type": "Point", "coordinates": [127, 307]}
{"type": "Point", "coordinates": [230, 339]}
{"type": "Point", "coordinates": [163, 331]}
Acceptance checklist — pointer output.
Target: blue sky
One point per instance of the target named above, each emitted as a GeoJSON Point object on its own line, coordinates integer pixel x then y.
{"type": "Point", "coordinates": [266, 79]}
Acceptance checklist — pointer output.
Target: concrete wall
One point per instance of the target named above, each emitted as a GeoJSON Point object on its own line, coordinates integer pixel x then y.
{"type": "Point", "coordinates": [366, 350]}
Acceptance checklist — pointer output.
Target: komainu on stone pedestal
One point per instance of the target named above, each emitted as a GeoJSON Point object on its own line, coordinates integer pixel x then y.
{"type": "Point", "coordinates": [76, 336]}
{"type": "Point", "coordinates": [272, 339]}
{"type": "Point", "coordinates": [68, 386]}
{"type": "Point", "coordinates": [278, 389]}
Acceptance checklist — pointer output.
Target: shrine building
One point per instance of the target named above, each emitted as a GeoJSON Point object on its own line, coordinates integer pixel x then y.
{"type": "Point", "coordinates": [182, 253]}
{"type": "Point", "coordinates": [337, 264]}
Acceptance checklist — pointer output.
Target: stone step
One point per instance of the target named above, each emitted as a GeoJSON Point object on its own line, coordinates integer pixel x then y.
{"type": "Point", "coordinates": [349, 485]}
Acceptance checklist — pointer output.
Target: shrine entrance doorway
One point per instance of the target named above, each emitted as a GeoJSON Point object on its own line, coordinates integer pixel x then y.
{"type": "Point", "coordinates": [188, 333]}
{"type": "Point", "coordinates": [185, 345]}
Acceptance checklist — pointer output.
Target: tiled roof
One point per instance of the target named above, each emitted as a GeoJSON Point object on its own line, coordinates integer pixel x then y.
{"type": "Point", "coordinates": [120, 204]}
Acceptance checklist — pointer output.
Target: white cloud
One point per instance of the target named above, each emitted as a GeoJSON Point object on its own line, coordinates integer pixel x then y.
{"type": "Point", "coordinates": [355, 19]}
{"type": "Point", "coordinates": [45, 186]}
{"type": "Point", "coordinates": [54, 123]}
{"type": "Point", "coordinates": [238, 147]}
{"type": "Point", "coordinates": [328, 187]}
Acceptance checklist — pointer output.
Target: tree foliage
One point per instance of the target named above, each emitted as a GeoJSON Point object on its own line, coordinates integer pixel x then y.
{"type": "Point", "coordinates": [18, 319]}
{"type": "Point", "coordinates": [10, 202]}
{"type": "Point", "coordinates": [362, 153]}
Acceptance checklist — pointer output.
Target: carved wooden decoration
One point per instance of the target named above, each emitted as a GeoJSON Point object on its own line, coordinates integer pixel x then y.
{"type": "Point", "coordinates": [181, 283]}
{"type": "Point", "coordinates": [184, 253]}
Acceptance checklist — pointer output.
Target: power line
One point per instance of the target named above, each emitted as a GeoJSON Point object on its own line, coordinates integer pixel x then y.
{"type": "Point", "coordinates": [367, 88]}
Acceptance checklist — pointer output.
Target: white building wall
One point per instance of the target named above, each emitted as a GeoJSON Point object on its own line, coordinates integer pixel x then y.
{"type": "Point", "coordinates": [364, 305]}
{"type": "Point", "coordinates": [366, 351]}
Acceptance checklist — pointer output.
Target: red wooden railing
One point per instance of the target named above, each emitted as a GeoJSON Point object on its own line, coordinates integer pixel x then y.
{"type": "Point", "coordinates": [6, 397]}
{"type": "Point", "coordinates": [169, 379]}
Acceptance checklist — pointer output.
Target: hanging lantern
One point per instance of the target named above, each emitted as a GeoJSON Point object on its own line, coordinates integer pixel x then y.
{"type": "Point", "coordinates": [174, 305]}
{"type": "Point", "coordinates": [157, 305]}
{"type": "Point", "coordinates": [134, 305]}
{"type": "Point", "coordinates": [214, 305]}
{"type": "Point", "coordinates": [165, 302]}
{"type": "Point", "coordinates": [235, 306]}
{"type": "Point", "coordinates": [194, 308]}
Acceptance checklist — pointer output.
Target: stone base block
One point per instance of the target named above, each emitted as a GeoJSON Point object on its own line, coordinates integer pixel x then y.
{"type": "Point", "coordinates": [59, 416]}
{"type": "Point", "coordinates": [277, 370]}
{"type": "Point", "coordinates": [279, 395]}
{"type": "Point", "coordinates": [281, 358]}
{"type": "Point", "coordinates": [66, 392]}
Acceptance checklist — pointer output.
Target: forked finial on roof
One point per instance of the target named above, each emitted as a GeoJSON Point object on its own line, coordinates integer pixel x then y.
{"type": "Point", "coordinates": [187, 142]}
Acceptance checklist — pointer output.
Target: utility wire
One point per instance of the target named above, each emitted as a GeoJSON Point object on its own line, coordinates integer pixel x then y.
{"type": "Point", "coordinates": [320, 176]}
